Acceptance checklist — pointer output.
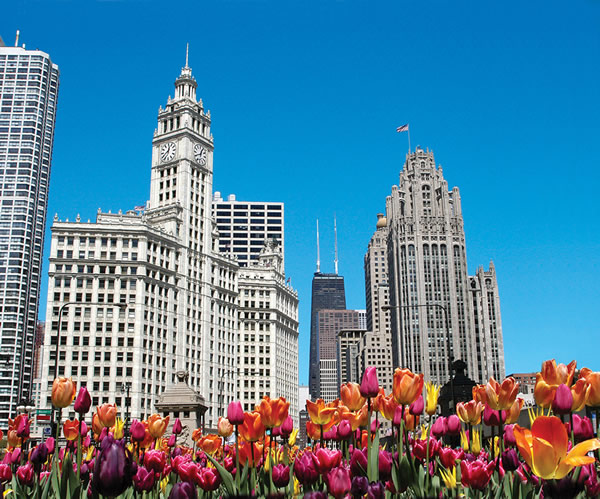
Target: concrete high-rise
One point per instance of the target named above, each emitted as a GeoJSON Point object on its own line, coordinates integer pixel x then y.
{"type": "Point", "coordinates": [29, 92]}
{"type": "Point", "coordinates": [244, 226]}
{"type": "Point", "coordinates": [431, 294]}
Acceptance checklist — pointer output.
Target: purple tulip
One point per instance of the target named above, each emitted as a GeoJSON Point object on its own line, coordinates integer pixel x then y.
{"type": "Point", "coordinates": [83, 401]}
{"type": "Point", "coordinates": [510, 460]}
{"type": "Point", "coordinates": [305, 470]}
{"type": "Point", "coordinates": [235, 413]}
{"type": "Point", "coordinates": [287, 427]}
{"type": "Point", "coordinates": [509, 436]}
{"type": "Point", "coordinates": [582, 428]}
{"type": "Point", "coordinates": [137, 431]}
{"type": "Point", "coordinates": [5, 473]}
{"type": "Point", "coordinates": [416, 408]}
{"type": "Point", "coordinates": [316, 495]}
{"type": "Point", "coordinates": [177, 427]}
{"type": "Point", "coordinates": [15, 455]}
{"type": "Point", "coordinates": [23, 423]}
{"type": "Point", "coordinates": [38, 457]}
{"type": "Point", "coordinates": [281, 475]}
{"type": "Point", "coordinates": [183, 490]}
{"type": "Point", "coordinates": [112, 469]}
{"type": "Point", "coordinates": [143, 480]}
{"type": "Point", "coordinates": [360, 485]}
{"type": "Point", "coordinates": [563, 400]}
{"type": "Point", "coordinates": [385, 465]}
{"type": "Point", "coordinates": [358, 463]}
{"type": "Point", "coordinates": [376, 491]}
{"type": "Point", "coordinates": [172, 440]}
{"type": "Point", "coordinates": [369, 386]}
{"type": "Point", "coordinates": [491, 417]}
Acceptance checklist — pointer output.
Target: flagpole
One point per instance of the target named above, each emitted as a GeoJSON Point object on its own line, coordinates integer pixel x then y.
{"type": "Point", "coordinates": [408, 139]}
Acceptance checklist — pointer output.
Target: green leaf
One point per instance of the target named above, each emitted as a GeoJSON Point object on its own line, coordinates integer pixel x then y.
{"type": "Point", "coordinates": [225, 476]}
{"type": "Point", "coordinates": [373, 464]}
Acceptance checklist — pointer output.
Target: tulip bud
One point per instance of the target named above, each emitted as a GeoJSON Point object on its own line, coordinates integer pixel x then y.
{"type": "Point", "coordinates": [509, 436]}
{"type": "Point", "coordinates": [224, 427]}
{"type": "Point", "coordinates": [453, 425]}
{"type": "Point", "coordinates": [281, 475]}
{"type": "Point", "coordinates": [287, 427]}
{"type": "Point", "coordinates": [177, 427]}
{"type": "Point", "coordinates": [183, 490]}
{"type": "Point", "coordinates": [376, 490]}
{"type": "Point", "coordinates": [143, 480]}
{"type": "Point", "coordinates": [563, 400]}
{"type": "Point", "coordinates": [510, 460]}
{"type": "Point", "coordinates": [112, 468]}
{"type": "Point", "coordinates": [582, 428]}
{"type": "Point", "coordinates": [369, 386]}
{"type": "Point", "coordinates": [491, 417]}
{"type": "Point", "coordinates": [5, 473]}
{"type": "Point", "coordinates": [137, 431]}
{"type": "Point", "coordinates": [358, 463]}
{"type": "Point", "coordinates": [439, 428]}
{"type": "Point", "coordinates": [235, 413]}
{"type": "Point", "coordinates": [416, 408]}
{"type": "Point", "coordinates": [38, 457]}
{"type": "Point", "coordinates": [385, 465]}
{"type": "Point", "coordinates": [397, 421]}
{"type": "Point", "coordinates": [83, 401]}
{"type": "Point", "coordinates": [344, 429]}
{"type": "Point", "coordinates": [63, 392]}
{"type": "Point", "coordinates": [360, 485]}
{"type": "Point", "coordinates": [22, 423]}
{"type": "Point", "coordinates": [172, 440]}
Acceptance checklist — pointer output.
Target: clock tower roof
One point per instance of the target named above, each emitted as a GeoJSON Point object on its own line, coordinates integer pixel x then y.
{"type": "Point", "coordinates": [185, 84]}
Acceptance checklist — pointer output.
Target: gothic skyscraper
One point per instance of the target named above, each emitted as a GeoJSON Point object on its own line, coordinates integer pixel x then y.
{"type": "Point", "coordinates": [29, 90]}
{"type": "Point", "coordinates": [438, 312]}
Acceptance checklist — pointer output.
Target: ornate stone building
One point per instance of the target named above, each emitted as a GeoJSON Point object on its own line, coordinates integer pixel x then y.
{"type": "Point", "coordinates": [437, 311]}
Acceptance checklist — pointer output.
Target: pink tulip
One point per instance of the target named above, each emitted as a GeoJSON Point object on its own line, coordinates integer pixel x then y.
{"type": "Point", "coordinates": [369, 386]}
{"type": "Point", "coordinates": [338, 481]}
{"type": "Point", "coordinates": [235, 413]}
{"type": "Point", "coordinates": [563, 400]}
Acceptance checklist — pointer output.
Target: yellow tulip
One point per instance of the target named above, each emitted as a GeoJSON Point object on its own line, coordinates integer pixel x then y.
{"type": "Point", "coordinates": [449, 477]}
{"type": "Point", "coordinates": [476, 442]}
{"type": "Point", "coordinates": [433, 392]}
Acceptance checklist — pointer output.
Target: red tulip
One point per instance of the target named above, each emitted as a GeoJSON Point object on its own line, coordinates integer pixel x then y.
{"type": "Point", "coordinates": [369, 387]}
{"type": "Point", "coordinates": [177, 427]}
{"type": "Point", "coordinates": [143, 480]}
{"type": "Point", "coordinates": [137, 431]}
{"type": "Point", "coordinates": [83, 401]}
{"type": "Point", "coordinates": [26, 474]}
{"type": "Point", "coordinates": [281, 475]}
{"type": "Point", "coordinates": [338, 482]}
{"type": "Point", "coordinates": [476, 474]}
{"type": "Point", "coordinates": [5, 473]}
{"type": "Point", "coordinates": [326, 459]}
{"type": "Point", "coordinates": [208, 479]}
{"type": "Point", "coordinates": [155, 460]}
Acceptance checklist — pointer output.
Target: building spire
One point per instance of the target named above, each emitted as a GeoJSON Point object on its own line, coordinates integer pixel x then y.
{"type": "Point", "coordinates": [187, 51]}
{"type": "Point", "coordinates": [318, 250]}
{"type": "Point", "coordinates": [335, 261]}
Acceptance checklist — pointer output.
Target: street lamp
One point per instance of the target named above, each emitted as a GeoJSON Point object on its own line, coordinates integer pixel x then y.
{"type": "Point", "coordinates": [60, 314]}
{"type": "Point", "coordinates": [125, 387]}
{"type": "Point", "coordinates": [386, 308]}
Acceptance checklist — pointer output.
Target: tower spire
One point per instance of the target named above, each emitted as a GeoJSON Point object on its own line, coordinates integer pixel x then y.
{"type": "Point", "coordinates": [318, 250]}
{"type": "Point", "coordinates": [336, 249]}
{"type": "Point", "coordinates": [187, 50]}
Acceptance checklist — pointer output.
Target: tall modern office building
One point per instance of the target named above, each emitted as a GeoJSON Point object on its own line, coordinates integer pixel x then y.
{"type": "Point", "coordinates": [28, 92]}
{"type": "Point", "coordinates": [244, 226]}
{"type": "Point", "coordinates": [432, 297]}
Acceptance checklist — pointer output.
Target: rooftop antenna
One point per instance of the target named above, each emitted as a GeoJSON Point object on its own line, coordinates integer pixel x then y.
{"type": "Point", "coordinates": [187, 50]}
{"type": "Point", "coordinates": [17, 39]}
{"type": "Point", "coordinates": [336, 251]}
{"type": "Point", "coordinates": [318, 250]}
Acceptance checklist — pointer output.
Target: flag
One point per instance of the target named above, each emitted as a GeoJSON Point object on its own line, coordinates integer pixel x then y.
{"type": "Point", "coordinates": [139, 208]}
{"type": "Point", "coordinates": [403, 128]}
{"type": "Point", "coordinates": [288, 280]}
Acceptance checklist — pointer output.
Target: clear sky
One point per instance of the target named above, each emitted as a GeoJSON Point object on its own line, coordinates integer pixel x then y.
{"type": "Point", "coordinates": [305, 98]}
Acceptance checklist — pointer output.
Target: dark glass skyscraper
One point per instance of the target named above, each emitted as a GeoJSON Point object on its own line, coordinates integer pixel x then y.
{"type": "Point", "coordinates": [327, 293]}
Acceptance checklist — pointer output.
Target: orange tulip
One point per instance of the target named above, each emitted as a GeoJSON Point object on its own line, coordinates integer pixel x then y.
{"type": "Point", "coordinates": [356, 418]}
{"type": "Point", "coordinates": [313, 430]}
{"type": "Point", "coordinates": [407, 386]}
{"type": "Point", "coordinates": [224, 427]}
{"type": "Point", "coordinates": [157, 426]}
{"type": "Point", "coordinates": [410, 421]}
{"type": "Point", "coordinates": [63, 392]}
{"type": "Point", "coordinates": [479, 395]}
{"type": "Point", "coordinates": [252, 429]}
{"type": "Point", "coordinates": [107, 415]}
{"type": "Point", "coordinates": [387, 406]}
{"type": "Point", "coordinates": [351, 397]}
{"type": "Point", "coordinates": [470, 412]}
{"type": "Point", "coordinates": [13, 439]}
{"type": "Point", "coordinates": [501, 397]}
{"type": "Point", "coordinates": [320, 413]}
{"type": "Point", "coordinates": [273, 412]}
{"type": "Point", "coordinates": [579, 391]}
{"type": "Point", "coordinates": [592, 397]}
{"type": "Point", "coordinates": [250, 450]}
{"type": "Point", "coordinates": [512, 415]}
{"type": "Point", "coordinates": [197, 434]}
{"type": "Point", "coordinates": [549, 378]}
{"type": "Point", "coordinates": [544, 448]}
{"type": "Point", "coordinates": [71, 429]}
{"type": "Point", "coordinates": [210, 443]}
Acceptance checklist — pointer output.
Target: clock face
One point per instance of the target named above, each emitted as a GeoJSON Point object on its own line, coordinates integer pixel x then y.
{"type": "Point", "coordinates": [200, 154]}
{"type": "Point", "coordinates": [167, 151]}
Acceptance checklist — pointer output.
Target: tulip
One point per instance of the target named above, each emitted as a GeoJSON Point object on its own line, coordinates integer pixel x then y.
{"type": "Point", "coordinates": [416, 408]}
{"type": "Point", "coordinates": [344, 430]}
{"type": "Point", "coordinates": [326, 459]}
{"type": "Point", "coordinates": [143, 480]}
{"type": "Point", "coordinates": [235, 413]}
{"type": "Point", "coordinates": [369, 386]}
{"type": "Point", "coordinates": [453, 425]}
{"type": "Point", "coordinates": [449, 477]}
{"type": "Point", "coordinates": [71, 429]}
{"type": "Point", "coordinates": [155, 460]}
{"type": "Point", "coordinates": [439, 427]}
{"type": "Point", "coordinates": [470, 412]}
{"type": "Point", "coordinates": [83, 401]}
{"type": "Point", "coordinates": [510, 460]}
{"type": "Point", "coordinates": [273, 412]}
{"type": "Point", "coordinates": [476, 474]}
{"type": "Point", "coordinates": [224, 427]}
{"type": "Point", "coordinates": [331, 434]}
{"type": "Point", "coordinates": [479, 394]}
{"type": "Point", "coordinates": [157, 426]}
{"type": "Point", "coordinates": [304, 469]}
{"type": "Point", "coordinates": [544, 448]}
{"type": "Point", "coordinates": [358, 463]}
{"type": "Point", "coordinates": [501, 397]}
{"type": "Point", "coordinates": [491, 417]}
{"type": "Point", "coordinates": [106, 415]}
{"type": "Point", "coordinates": [385, 405]}
{"type": "Point", "coordinates": [38, 457]}
{"type": "Point", "coordinates": [376, 490]}
{"type": "Point", "coordinates": [5, 473]}
{"type": "Point", "coordinates": [360, 485]}
{"type": "Point", "coordinates": [407, 386]}
{"type": "Point", "coordinates": [287, 427]}
{"type": "Point", "coordinates": [351, 396]}
{"type": "Point", "coordinates": [476, 442]}
{"type": "Point", "coordinates": [563, 400]}
{"type": "Point", "coordinates": [112, 468]}
{"type": "Point", "coordinates": [183, 490]}
{"type": "Point", "coordinates": [582, 428]}
{"type": "Point", "coordinates": [14, 457]}
{"type": "Point", "coordinates": [252, 429]}
{"type": "Point", "coordinates": [320, 413]}
{"type": "Point", "coordinates": [63, 392]}
{"type": "Point", "coordinates": [433, 392]}
{"type": "Point", "coordinates": [281, 475]}
{"type": "Point", "coordinates": [187, 471]}
{"type": "Point", "coordinates": [21, 424]}
{"type": "Point", "coordinates": [137, 431]}
{"type": "Point", "coordinates": [512, 415]}
{"type": "Point", "coordinates": [549, 378]}
{"type": "Point", "coordinates": [410, 422]}
{"type": "Point", "coordinates": [398, 413]}
{"type": "Point", "coordinates": [509, 436]}
{"type": "Point", "coordinates": [356, 419]}
{"type": "Point", "coordinates": [447, 457]}
{"type": "Point", "coordinates": [177, 427]}
{"type": "Point", "coordinates": [316, 495]}
{"type": "Point", "coordinates": [13, 439]}
{"type": "Point", "coordinates": [593, 389]}
{"type": "Point", "coordinates": [420, 448]}
{"type": "Point", "coordinates": [210, 443]}
{"type": "Point", "coordinates": [385, 465]}
{"type": "Point", "coordinates": [338, 482]}
{"type": "Point", "coordinates": [26, 474]}
{"type": "Point", "coordinates": [208, 479]}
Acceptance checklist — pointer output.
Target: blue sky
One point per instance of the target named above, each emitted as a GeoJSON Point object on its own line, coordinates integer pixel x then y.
{"type": "Point", "coordinates": [305, 98]}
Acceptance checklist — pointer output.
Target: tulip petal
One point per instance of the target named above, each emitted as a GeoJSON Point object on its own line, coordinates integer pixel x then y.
{"type": "Point", "coordinates": [552, 430]}
{"type": "Point", "coordinates": [545, 458]}
{"type": "Point", "coordinates": [524, 441]}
